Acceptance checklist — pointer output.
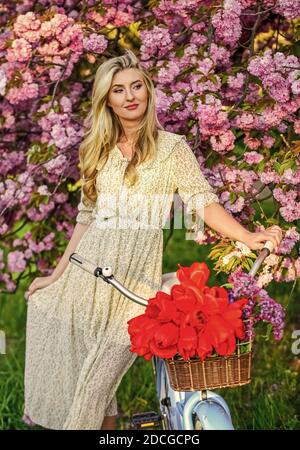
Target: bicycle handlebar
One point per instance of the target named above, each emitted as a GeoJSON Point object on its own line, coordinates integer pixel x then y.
{"type": "Point", "coordinates": [106, 273]}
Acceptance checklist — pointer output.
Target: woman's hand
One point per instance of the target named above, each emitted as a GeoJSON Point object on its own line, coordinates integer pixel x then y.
{"type": "Point", "coordinates": [38, 283]}
{"type": "Point", "coordinates": [256, 240]}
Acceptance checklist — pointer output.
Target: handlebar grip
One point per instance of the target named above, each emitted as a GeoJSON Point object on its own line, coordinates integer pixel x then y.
{"type": "Point", "coordinates": [264, 252]}
{"type": "Point", "coordinates": [269, 246]}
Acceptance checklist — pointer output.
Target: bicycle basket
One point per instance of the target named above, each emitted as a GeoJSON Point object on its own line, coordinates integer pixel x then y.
{"type": "Point", "coordinates": [212, 373]}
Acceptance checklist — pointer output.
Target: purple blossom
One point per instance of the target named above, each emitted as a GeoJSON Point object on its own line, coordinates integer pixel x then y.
{"type": "Point", "coordinates": [95, 43]}
{"type": "Point", "coordinates": [290, 9]}
{"type": "Point", "coordinates": [253, 157]}
{"type": "Point", "coordinates": [156, 42]}
{"type": "Point", "coordinates": [260, 306]}
{"type": "Point", "coordinates": [16, 261]}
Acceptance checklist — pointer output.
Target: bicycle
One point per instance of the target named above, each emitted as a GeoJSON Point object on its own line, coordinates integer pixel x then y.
{"type": "Point", "coordinates": [179, 410]}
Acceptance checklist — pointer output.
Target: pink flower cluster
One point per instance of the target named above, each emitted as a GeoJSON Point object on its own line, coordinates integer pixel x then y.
{"type": "Point", "coordinates": [156, 42]}
{"type": "Point", "coordinates": [278, 73]}
{"type": "Point", "coordinates": [57, 128]}
{"type": "Point", "coordinates": [290, 209]}
{"type": "Point", "coordinates": [95, 43]}
{"type": "Point", "coordinates": [227, 23]}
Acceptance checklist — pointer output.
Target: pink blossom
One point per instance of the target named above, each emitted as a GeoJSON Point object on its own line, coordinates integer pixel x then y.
{"type": "Point", "coordinates": [277, 87]}
{"type": "Point", "coordinates": [251, 142]}
{"type": "Point", "coordinates": [60, 197]}
{"type": "Point", "coordinates": [246, 121]}
{"type": "Point", "coordinates": [7, 112]}
{"type": "Point", "coordinates": [10, 286]}
{"type": "Point", "coordinates": [227, 23]}
{"type": "Point", "coordinates": [224, 142]}
{"type": "Point", "coordinates": [95, 43]}
{"type": "Point", "coordinates": [269, 176]}
{"type": "Point", "coordinates": [156, 42]}
{"type": "Point", "coordinates": [288, 242]}
{"type": "Point", "coordinates": [212, 120]}
{"type": "Point", "coordinates": [219, 54]}
{"type": "Point", "coordinates": [253, 157]}
{"type": "Point", "coordinates": [268, 141]}
{"type": "Point", "coordinates": [264, 279]}
{"type": "Point", "coordinates": [274, 72]}
{"type": "Point", "coordinates": [290, 9]}
{"type": "Point", "coordinates": [291, 176]}
{"type": "Point", "coordinates": [27, 26]}
{"type": "Point", "coordinates": [291, 212]}
{"type": "Point", "coordinates": [16, 261]}
{"type": "Point", "coordinates": [272, 260]}
{"type": "Point", "coordinates": [168, 73]}
{"type": "Point", "coordinates": [43, 190]}
{"type": "Point", "coordinates": [297, 126]}
{"type": "Point", "coordinates": [56, 164]}
{"type": "Point", "coordinates": [284, 197]}
{"type": "Point", "coordinates": [20, 51]}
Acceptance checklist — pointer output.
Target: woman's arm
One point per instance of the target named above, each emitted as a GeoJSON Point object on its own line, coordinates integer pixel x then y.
{"type": "Point", "coordinates": [217, 218]}
{"type": "Point", "coordinates": [78, 232]}
{"type": "Point", "coordinates": [199, 196]}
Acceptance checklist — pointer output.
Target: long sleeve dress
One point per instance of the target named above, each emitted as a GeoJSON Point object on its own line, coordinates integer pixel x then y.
{"type": "Point", "coordinates": [77, 342]}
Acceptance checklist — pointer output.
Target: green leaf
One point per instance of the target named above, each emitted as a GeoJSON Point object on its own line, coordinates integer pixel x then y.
{"type": "Point", "coordinates": [295, 49]}
{"type": "Point", "coordinates": [250, 261]}
{"type": "Point", "coordinates": [227, 285]}
{"type": "Point", "coordinates": [175, 105]}
{"type": "Point", "coordinates": [180, 52]}
{"type": "Point", "coordinates": [232, 197]}
{"type": "Point", "coordinates": [261, 165]}
{"type": "Point", "coordinates": [277, 166]}
{"type": "Point", "coordinates": [230, 264]}
{"type": "Point", "coordinates": [214, 79]}
{"type": "Point", "coordinates": [246, 265]}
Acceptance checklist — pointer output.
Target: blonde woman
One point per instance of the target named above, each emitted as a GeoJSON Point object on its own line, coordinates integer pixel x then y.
{"type": "Point", "coordinates": [77, 344]}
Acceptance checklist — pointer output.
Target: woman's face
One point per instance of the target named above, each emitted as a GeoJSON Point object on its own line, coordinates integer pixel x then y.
{"type": "Point", "coordinates": [128, 88]}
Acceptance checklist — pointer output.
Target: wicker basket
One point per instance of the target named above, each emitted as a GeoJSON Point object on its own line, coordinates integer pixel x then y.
{"type": "Point", "coordinates": [213, 372]}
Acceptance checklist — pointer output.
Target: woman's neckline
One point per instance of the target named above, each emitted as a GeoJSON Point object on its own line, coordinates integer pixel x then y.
{"type": "Point", "coordinates": [121, 154]}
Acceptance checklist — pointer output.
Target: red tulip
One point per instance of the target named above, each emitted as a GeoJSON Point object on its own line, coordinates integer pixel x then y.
{"type": "Point", "coordinates": [141, 330]}
{"type": "Point", "coordinates": [165, 339]}
{"type": "Point", "coordinates": [187, 343]}
{"type": "Point", "coordinates": [162, 308]}
{"type": "Point", "coordinates": [197, 274]}
{"type": "Point", "coordinates": [183, 298]}
{"type": "Point", "coordinates": [233, 315]}
{"type": "Point", "coordinates": [141, 351]}
{"type": "Point", "coordinates": [227, 347]}
{"type": "Point", "coordinates": [204, 346]}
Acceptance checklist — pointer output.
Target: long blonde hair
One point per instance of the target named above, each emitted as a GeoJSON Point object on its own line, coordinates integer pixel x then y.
{"type": "Point", "coordinates": [104, 127]}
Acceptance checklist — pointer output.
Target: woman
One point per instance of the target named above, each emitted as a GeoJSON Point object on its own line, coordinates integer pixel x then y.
{"type": "Point", "coordinates": [77, 344]}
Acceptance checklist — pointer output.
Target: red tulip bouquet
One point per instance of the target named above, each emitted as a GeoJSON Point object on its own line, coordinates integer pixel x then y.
{"type": "Point", "coordinates": [198, 321]}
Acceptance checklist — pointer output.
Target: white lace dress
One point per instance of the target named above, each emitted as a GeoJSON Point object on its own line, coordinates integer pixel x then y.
{"type": "Point", "coordinates": [77, 343]}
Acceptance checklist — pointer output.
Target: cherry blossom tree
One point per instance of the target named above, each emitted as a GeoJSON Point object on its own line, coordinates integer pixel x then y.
{"type": "Point", "coordinates": [227, 75]}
